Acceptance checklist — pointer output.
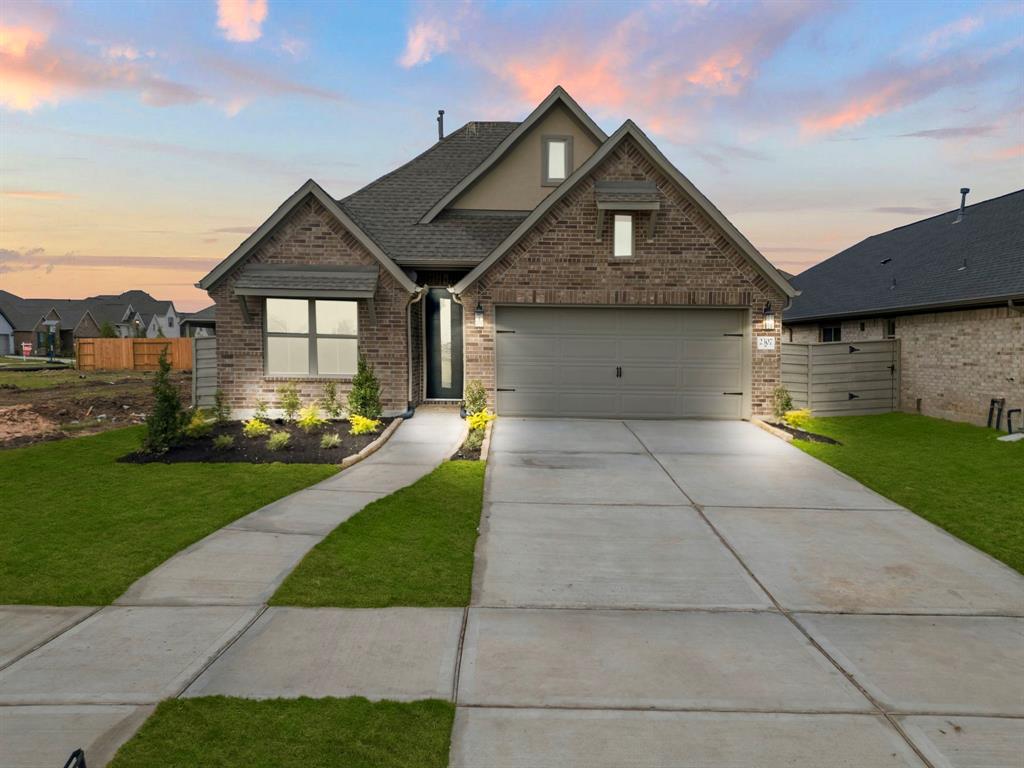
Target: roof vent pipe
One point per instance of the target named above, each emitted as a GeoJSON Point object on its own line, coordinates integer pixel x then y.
{"type": "Point", "coordinates": [440, 124]}
{"type": "Point", "coordinates": [963, 204]}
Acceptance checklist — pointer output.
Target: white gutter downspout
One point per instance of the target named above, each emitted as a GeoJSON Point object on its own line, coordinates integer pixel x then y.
{"type": "Point", "coordinates": [414, 299]}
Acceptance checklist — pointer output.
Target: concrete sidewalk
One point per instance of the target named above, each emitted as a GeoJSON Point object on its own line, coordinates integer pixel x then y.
{"type": "Point", "coordinates": [87, 677]}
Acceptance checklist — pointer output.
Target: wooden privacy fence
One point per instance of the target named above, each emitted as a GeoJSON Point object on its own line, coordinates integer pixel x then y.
{"type": "Point", "coordinates": [204, 372]}
{"type": "Point", "coordinates": [843, 378]}
{"type": "Point", "coordinates": [132, 354]}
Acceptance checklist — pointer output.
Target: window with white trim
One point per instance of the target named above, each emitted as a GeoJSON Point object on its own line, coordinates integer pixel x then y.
{"type": "Point", "coordinates": [623, 235]}
{"type": "Point", "coordinates": [311, 337]}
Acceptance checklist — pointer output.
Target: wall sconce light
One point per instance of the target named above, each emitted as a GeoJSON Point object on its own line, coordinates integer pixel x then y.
{"type": "Point", "coordinates": [769, 317]}
{"type": "Point", "coordinates": [478, 315]}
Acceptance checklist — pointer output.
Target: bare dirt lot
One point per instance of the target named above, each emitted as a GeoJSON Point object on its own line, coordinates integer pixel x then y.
{"type": "Point", "coordinates": [52, 404]}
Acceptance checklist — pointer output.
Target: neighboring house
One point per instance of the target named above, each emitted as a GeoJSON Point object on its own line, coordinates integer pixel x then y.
{"type": "Point", "coordinates": [199, 324]}
{"type": "Point", "coordinates": [6, 334]}
{"type": "Point", "coordinates": [573, 273]}
{"type": "Point", "coordinates": [139, 314]}
{"type": "Point", "coordinates": [950, 288]}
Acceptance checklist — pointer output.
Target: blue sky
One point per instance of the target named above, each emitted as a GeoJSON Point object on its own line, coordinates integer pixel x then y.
{"type": "Point", "coordinates": [140, 142]}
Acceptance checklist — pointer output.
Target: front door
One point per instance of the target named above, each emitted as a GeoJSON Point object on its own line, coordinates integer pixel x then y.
{"type": "Point", "coordinates": [444, 345]}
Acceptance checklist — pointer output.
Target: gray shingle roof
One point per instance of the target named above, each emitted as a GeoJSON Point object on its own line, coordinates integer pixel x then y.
{"type": "Point", "coordinates": [929, 263]}
{"type": "Point", "coordinates": [205, 315]}
{"type": "Point", "coordinates": [265, 280]}
{"type": "Point", "coordinates": [389, 209]}
{"type": "Point", "coordinates": [627, 192]}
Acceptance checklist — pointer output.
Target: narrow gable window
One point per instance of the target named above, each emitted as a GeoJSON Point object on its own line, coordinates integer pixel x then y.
{"type": "Point", "coordinates": [311, 337]}
{"type": "Point", "coordinates": [557, 159]}
{"type": "Point", "coordinates": [623, 235]}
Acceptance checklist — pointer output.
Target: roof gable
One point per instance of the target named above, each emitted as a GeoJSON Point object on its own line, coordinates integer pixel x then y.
{"type": "Point", "coordinates": [557, 98]}
{"type": "Point", "coordinates": [310, 188]}
{"type": "Point", "coordinates": [931, 263]}
{"type": "Point", "coordinates": [630, 129]}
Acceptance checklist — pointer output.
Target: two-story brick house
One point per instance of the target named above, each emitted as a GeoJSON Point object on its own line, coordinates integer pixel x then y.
{"type": "Point", "coordinates": [574, 273]}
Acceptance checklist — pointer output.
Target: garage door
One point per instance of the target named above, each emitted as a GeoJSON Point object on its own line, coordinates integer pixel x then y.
{"type": "Point", "coordinates": [608, 362]}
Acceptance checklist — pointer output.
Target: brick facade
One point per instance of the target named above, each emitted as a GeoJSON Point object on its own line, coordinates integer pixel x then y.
{"type": "Point", "coordinates": [310, 235]}
{"type": "Point", "coordinates": [953, 362]}
{"type": "Point", "coordinates": [687, 263]}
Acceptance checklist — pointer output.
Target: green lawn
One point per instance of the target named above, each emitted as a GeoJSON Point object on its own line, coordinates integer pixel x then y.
{"type": "Point", "coordinates": [957, 476]}
{"type": "Point", "coordinates": [221, 732]}
{"type": "Point", "coordinates": [412, 548]}
{"type": "Point", "coordinates": [77, 528]}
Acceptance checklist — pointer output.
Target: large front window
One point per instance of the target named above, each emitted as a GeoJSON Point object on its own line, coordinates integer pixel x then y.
{"type": "Point", "coordinates": [311, 337]}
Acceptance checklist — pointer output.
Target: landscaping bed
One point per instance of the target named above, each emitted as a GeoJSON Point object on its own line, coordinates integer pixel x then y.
{"type": "Point", "coordinates": [801, 434]}
{"type": "Point", "coordinates": [302, 448]}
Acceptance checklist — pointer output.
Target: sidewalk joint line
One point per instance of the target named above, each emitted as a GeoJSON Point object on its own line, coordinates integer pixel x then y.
{"type": "Point", "coordinates": [52, 637]}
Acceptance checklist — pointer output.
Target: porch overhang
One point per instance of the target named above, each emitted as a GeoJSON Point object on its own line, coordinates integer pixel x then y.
{"type": "Point", "coordinates": [307, 282]}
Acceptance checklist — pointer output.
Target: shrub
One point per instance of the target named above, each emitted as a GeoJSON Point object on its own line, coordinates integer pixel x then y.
{"type": "Point", "coordinates": [798, 419]}
{"type": "Point", "coordinates": [278, 441]}
{"type": "Point", "coordinates": [479, 420]}
{"type": "Point", "coordinates": [167, 419]}
{"type": "Point", "coordinates": [260, 410]}
{"type": "Point", "coordinates": [198, 425]}
{"type": "Point", "coordinates": [223, 442]}
{"type": "Point", "coordinates": [310, 419]}
{"type": "Point", "coordinates": [475, 399]}
{"type": "Point", "coordinates": [362, 425]}
{"type": "Point", "coordinates": [474, 440]}
{"type": "Point", "coordinates": [330, 441]}
{"type": "Point", "coordinates": [330, 402]}
{"type": "Point", "coordinates": [107, 331]}
{"type": "Point", "coordinates": [782, 401]}
{"type": "Point", "coordinates": [220, 407]}
{"type": "Point", "coordinates": [288, 401]}
{"type": "Point", "coordinates": [364, 398]}
{"type": "Point", "coordinates": [254, 428]}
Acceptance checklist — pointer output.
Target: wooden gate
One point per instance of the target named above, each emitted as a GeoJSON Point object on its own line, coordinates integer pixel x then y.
{"type": "Point", "coordinates": [132, 354]}
{"type": "Point", "coordinates": [204, 372]}
{"type": "Point", "coordinates": [843, 378]}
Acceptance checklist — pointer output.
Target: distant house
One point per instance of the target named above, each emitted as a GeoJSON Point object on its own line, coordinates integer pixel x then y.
{"type": "Point", "coordinates": [950, 288]}
{"type": "Point", "coordinates": [201, 323]}
{"type": "Point", "coordinates": [132, 313]}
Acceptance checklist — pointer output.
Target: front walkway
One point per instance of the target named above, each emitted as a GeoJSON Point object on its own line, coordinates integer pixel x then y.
{"type": "Point", "coordinates": [703, 594]}
{"type": "Point", "coordinates": [87, 677]}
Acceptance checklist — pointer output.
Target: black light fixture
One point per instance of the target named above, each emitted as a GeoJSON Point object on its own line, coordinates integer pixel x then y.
{"type": "Point", "coordinates": [478, 315]}
{"type": "Point", "coordinates": [769, 317]}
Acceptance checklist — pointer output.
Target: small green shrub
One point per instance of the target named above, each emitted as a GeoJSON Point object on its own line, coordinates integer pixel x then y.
{"type": "Point", "coordinates": [260, 410]}
{"type": "Point", "coordinates": [221, 411]}
{"type": "Point", "coordinates": [166, 421]}
{"type": "Point", "coordinates": [798, 419]}
{"type": "Point", "coordinates": [332, 440]}
{"type": "Point", "coordinates": [331, 405]}
{"type": "Point", "coordinates": [479, 420]}
{"type": "Point", "coordinates": [364, 398]}
{"type": "Point", "coordinates": [475, 399]}
{"type": "Point", "coordinates": [310, 420]}
{"type": "Point", "coordinates": [198, 425]}
{"type": "Point", "coordinates": [474, 440]}
{"type": "Point", "coordinates": [279, 440]}
{"type": "Point", "coordinates": [254, 428]}
{"type": "Point", "coordinates": [288, 401]}
{"type": "Point", "coordinates": [782, 401]}
{"type": "Point", "coordinates": [223, 442]}
{"type": "Point", "coordinates": [362, 425]}
{"type": "Point", "coordinates": [107, 331]}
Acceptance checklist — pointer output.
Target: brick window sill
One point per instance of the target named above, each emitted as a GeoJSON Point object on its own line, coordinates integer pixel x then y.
{"type": "Point", "coordinates": [341, 379]}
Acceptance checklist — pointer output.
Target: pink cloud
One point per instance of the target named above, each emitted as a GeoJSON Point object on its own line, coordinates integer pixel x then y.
{"type": "Point", "coordinates": [1009, 153]}
{"type": "Point", "coordinates": [944, 35]}
{"type": "Point", "coordinates": [241, 20]}
{"type": "Point", "coordinates": [724, 71]}
{"type": "Point", "coordinates": [425, 40]}
{"type": "Point", "coordinates": [35, 194]}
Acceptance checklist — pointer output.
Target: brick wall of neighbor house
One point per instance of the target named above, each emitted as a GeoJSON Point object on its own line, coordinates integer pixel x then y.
{"type": "Point", "coordinates": [955, 362]}
{"type": "Point", "coordinates": [874, 328]}
{"type": "Point", "coordinates": [310, 235]}
{"type": "Point", "coordinates": [687, 263]}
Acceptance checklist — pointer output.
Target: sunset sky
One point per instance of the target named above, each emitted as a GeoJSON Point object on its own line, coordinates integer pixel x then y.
{"type": "Point", "coordinates": [141, 142]}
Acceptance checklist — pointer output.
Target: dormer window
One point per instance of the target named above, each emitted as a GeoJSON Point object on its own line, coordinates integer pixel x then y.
{"type": "Point", "coordinates": [556, 159]}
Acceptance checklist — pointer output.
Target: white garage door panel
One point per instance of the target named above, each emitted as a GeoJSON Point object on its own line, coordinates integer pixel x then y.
{"type": "Point", "coordinates": [675, 363]}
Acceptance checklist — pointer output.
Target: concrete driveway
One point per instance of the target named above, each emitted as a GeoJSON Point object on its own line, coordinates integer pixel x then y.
{"type": "Point", "coordinates": [703, 594]}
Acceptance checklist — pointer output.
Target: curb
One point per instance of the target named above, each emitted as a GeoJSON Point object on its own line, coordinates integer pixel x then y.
{"type": "Point", "coordinates": [485, 447]}
{"type": "Point", "coordinates": [373, 447]}
{"type": "Point", "coordinates": [782, 435]}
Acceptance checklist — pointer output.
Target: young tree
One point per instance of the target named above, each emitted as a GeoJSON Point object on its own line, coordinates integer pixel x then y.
{"type": "Point", "coordinates": [166, 421]}
{"type": "Point", "coordinates": [364, 397]}
{"type": "Point", "coordinates": [107, 331]}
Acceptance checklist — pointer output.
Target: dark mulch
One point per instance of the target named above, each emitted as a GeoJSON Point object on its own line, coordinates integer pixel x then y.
{"type": "Point", "coordinates": [800, 434]}
{"type": "Point", "coordinates": [302, 448]}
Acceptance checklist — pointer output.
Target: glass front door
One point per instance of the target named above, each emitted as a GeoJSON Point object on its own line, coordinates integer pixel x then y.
{"type": "Point", "coordinates": [444, 345]}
